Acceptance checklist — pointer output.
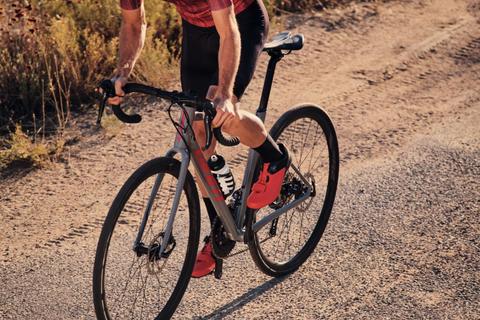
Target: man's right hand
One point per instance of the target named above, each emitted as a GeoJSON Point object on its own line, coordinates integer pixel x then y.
{"type": "Point", "coordinates": [119, 83]}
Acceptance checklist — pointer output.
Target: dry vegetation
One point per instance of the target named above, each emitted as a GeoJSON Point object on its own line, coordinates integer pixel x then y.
{"type": "Point", "coordinates": [52, 54]}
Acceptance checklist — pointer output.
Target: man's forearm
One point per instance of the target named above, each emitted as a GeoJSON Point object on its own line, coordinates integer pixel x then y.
{"type": "Point", "coordinates": [229, 59]}
{"type": "Point", "coordinates": [132, 38]}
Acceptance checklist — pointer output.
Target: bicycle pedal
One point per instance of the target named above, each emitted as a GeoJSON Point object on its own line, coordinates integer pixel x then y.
{"type": "Point", "coordinates": [218, 269]}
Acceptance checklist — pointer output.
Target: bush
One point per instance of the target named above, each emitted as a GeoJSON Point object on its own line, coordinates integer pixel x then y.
{"type": "Point", "coordinates": [22, 149]}
{"type": "Point", "coordinates": [53, 53]}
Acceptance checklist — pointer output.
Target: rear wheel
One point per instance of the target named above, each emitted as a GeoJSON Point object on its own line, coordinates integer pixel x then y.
{"type": "Point", "coordinates": [283, 245]}
{"type": "Point", "coordinates": [142, 282]}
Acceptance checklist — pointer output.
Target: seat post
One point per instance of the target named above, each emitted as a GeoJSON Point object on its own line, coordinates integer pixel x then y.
{"type": "Point", "coordinates": [275, 56]}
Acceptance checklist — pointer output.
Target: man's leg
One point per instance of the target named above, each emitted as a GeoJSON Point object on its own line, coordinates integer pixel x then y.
{"type": "Point", "coordinates": [253, 24]}
{"type": "Point", "coordinates": [276, 160]}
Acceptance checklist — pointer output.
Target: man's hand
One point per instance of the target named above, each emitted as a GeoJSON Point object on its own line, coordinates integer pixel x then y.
{"type": "Point", "coordinates": [226, 107]}
{"type": "Point", "coordinates": [226, 111]}
{"type": "Point", "coordinates": [119, 83]}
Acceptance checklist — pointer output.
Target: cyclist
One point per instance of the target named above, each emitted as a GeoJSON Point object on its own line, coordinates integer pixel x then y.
{"type": "Point", "coordinates": [222, 40]}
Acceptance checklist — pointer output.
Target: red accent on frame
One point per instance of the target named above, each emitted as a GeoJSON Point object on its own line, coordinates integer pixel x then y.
{"type": "Point", "coordinates": [211, 181]}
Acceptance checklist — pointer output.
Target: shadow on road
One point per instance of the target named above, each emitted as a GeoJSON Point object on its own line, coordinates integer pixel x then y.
{"type": "Point", "coordinates": [241, 301]}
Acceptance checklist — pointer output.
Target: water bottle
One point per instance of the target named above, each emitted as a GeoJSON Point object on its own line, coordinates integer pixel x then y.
{"type": "Point", "coordinates": [222, 173]}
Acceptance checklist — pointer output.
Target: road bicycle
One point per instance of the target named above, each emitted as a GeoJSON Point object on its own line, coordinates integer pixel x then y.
{"type": "Point", "coordinates": [149, 240]}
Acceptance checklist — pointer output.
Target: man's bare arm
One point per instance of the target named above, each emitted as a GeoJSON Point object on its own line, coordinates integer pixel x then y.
{"type": "Point", "coordinates": [229, 52]}
{"type": "Point", "coordinates": [228, 62]}
{"type": "Point", "coordinates": [132, 38]}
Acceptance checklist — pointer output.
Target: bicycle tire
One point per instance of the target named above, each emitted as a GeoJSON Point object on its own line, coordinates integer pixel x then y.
{"type": "Point", "coordinates": [257, 249]}
{"type": "Point", "coordinates": [116, 220]}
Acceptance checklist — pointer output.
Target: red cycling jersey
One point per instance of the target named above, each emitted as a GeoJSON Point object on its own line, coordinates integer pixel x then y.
{"type": "Point", "coordinates": [196, 12]}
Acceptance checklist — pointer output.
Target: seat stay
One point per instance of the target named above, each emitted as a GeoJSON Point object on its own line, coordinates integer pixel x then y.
{"type": "Point", "coordinates": [277, 213]}
{"type": "Point", "coordinates": [247, 183]}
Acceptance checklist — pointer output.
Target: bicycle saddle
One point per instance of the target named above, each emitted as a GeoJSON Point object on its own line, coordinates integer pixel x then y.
{"type": "Point", "coordinates": [285, 41]}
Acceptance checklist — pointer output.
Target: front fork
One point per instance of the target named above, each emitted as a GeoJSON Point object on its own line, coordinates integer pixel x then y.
{"type": "Point", "coordinates": [167, 232]}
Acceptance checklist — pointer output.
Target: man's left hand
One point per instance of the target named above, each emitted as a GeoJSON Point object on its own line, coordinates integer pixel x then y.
{"type": "Point", "coordinates": [226, 109]}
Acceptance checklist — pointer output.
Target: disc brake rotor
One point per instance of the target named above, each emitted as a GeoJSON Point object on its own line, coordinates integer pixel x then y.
{"type": "Point", "coordinates": [154, 258]}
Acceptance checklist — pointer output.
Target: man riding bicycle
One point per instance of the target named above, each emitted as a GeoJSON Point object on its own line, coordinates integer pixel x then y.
{"type": "Point", "coordinates": [222, 40]}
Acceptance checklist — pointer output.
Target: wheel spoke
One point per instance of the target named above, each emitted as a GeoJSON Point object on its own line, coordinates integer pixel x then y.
{"type": "Point", "coordinates": [306, 137]}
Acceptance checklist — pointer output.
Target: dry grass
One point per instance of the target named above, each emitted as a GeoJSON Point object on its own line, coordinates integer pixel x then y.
{"type": "Point", "coordinates": [53, 53]}
{"type": "Point", "coordinates": [21, 148]}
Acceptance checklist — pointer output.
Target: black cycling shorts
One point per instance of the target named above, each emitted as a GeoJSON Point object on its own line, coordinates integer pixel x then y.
{"type": "Point", "coordinates": [199, 62]}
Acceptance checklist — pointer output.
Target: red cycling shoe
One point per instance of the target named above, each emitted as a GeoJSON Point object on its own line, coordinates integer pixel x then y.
{"type": "Point", "coordinates": [205, 263]}
{"type": "Point", "coordinates": [269, 184]}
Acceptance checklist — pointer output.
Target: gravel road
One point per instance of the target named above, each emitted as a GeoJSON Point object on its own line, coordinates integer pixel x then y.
{"type": "Point", "coordinates": [401, 82]}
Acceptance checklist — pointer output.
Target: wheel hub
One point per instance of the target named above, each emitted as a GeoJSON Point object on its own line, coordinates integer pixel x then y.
{"type": "Point", "coordinates": [292, 188]}
{"type": "Point", "coordinates": [152, 251]}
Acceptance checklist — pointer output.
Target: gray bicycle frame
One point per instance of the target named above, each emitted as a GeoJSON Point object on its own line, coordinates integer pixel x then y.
{"type": "Point", "coordinates": [187, 147]}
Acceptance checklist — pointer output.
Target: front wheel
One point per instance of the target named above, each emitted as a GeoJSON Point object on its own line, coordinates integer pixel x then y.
{"type": "Point", "coordinates": [138, 281]}
{"type": "Point", "coordinates": [283, 245]}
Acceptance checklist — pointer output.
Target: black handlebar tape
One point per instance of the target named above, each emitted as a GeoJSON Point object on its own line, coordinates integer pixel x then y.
{"type": "Point", "coordinates": [139, 88]}
{"type": "Point", "coordinates": [208, 132]}
{"type": "Point", "coordinates": [109, 89]}
{"type": "Point", "coordinates": [209, 109]}
{"type": "Point", "coordinates": [127, 118]}
{"type": "Point", "coordinates": [228, 142]}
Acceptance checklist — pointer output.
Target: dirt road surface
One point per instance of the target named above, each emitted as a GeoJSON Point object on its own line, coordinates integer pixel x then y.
{"type": "Point", "coordinates": [401, 82]}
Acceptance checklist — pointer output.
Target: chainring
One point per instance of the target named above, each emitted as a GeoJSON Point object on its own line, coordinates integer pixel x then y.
{"type": "Point", "coordinates": [221, 244]}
